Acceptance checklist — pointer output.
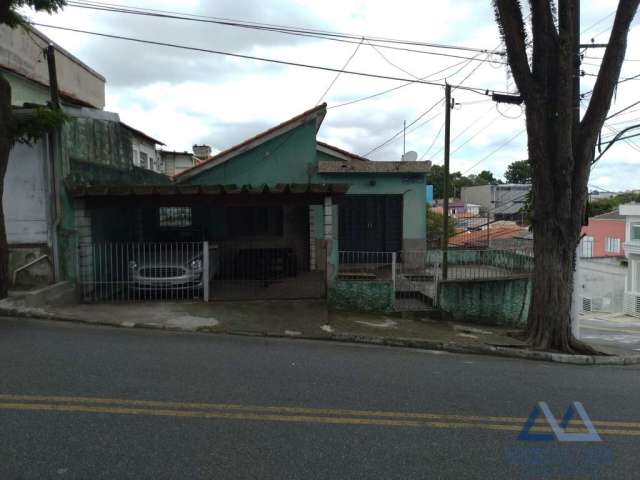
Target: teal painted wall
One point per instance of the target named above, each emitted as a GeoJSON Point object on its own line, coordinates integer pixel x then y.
{"type": "Point", "coordinates": [491, 302]}
{"type": "Point", "coordinates": [24, 91]}
{"type": "Point", "coordinates": [288, 158]}
{"type": "Point", "coordinates": [360, 295]}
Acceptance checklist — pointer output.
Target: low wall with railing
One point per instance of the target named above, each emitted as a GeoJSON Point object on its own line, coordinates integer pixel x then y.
{"type": "Point", "coordinates": [498, 301]}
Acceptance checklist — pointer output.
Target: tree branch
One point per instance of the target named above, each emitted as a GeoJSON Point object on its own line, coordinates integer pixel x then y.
{"type": "Point", "coordinates": [609, 71]}
{"type": "Point", "coordinates": [545, 38]}
{"type": "Point", "coordinates": [509, 18]}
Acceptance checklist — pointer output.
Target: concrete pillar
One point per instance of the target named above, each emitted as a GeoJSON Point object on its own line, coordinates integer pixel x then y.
{"type": "Point", "coordinates": [331, 250]}
{"type": "Point", "coordinates": [85, 243]}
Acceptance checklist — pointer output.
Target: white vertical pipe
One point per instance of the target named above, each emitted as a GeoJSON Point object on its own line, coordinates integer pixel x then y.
{"type": "Point", "coordinates": [205, 270]}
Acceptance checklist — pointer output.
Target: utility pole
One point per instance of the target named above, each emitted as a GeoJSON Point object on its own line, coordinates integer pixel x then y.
{"type": "Point", "coordinates": [55, 149]}
{"type": "Point", "coordinates": [50, 53]}
{"type": "Point", "coordinates": [445, 207]}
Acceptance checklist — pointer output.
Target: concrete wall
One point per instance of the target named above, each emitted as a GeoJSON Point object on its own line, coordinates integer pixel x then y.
{"type": "Point", "coordinates": [176, 162]}
{"type": "Point", "coordinates": [21, 52]}
{"type": "Point", "coordinates": [489, 302]}
{"type": "Point", "coordinates": [603, 281]}
{"type": "Point", "coordinates": [26, 195]}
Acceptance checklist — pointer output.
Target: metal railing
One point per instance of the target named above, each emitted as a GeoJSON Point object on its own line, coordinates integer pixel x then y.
{"type": "Point", "coordinates": [371, 266]}
{"type": "Point", "coordinates": [416, 274]}
{"type": "Point", "coordinates": [138, 272]}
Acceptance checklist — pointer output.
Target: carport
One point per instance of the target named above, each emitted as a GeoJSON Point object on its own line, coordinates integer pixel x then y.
{"type": "Point", "coordinates": [214, 242]}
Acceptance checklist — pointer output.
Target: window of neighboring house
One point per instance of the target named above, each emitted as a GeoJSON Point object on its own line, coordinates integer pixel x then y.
{"type": "Point", "coordinates": [143, 159]}
{"type": "Point", "coordinates": [612, 245]}
{"type": "Point", "coordinates": [135, 158]}
{"type": "Point", "coordinates": [253, 221]}
{"type": "Point", "coordinates": [635, 232]}
{"type": "Point", "coordinates": [174, 217]}
{"type": "Point", "coordinates": [587, 247]}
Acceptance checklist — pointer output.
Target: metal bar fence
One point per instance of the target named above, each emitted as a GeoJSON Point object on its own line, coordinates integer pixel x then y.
{"type": "Point", "coordinates": [371, 266]}
{"type": "Point", "coordinates": [140, 272]}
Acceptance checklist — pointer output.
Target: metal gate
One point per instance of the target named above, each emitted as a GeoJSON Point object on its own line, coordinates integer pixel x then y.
{"type": "Point", "coordinates": [139, 272]}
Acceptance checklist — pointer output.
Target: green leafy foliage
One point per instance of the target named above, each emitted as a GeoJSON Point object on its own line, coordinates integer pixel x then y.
{"type": "Point", "coordinates": [598, 207]}
{"type": "Point", "coordinates": [435, 226]}
{"type": "Point", "coordinates": [29, 127]}
{"type": "Point", "coordinates": [457, 180]}
{"type": "Point", "coordinates": [9, 9]}
{"type": "Point", "coordinates": [518, 172]}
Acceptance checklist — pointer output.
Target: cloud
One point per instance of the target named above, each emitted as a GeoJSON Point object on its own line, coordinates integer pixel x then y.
{"type": "Point", "coordinates": [184, 97]}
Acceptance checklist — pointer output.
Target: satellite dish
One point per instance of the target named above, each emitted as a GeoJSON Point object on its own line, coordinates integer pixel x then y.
{"type": "Point", "coordinates": [410, 156]}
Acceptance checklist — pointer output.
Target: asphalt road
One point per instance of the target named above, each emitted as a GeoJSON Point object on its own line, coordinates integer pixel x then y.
{"type": "Point", "coordinates": [95, 402]}
{"type": "Point", "coordinates": [618, 331]}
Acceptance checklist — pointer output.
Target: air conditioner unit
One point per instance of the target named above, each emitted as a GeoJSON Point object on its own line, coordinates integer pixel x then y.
{"type": "Point", "coordinates": [586, 305]}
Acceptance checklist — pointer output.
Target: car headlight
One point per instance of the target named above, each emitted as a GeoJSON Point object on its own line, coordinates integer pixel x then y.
{"type": "Point", "coordinates": [196, 265]}
{"type": "Point", "coordinates": [133, 265]}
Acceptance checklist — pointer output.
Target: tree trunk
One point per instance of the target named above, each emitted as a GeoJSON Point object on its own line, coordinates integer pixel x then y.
{"type": "Point", "coordinates": [6, 142]}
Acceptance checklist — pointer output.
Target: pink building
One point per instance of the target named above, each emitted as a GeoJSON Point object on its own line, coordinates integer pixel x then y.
{"type": "Point", "coordinates": [604, 236]}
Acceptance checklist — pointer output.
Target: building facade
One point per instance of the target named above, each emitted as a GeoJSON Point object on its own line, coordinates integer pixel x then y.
{"type": "Point", "coordinates": [499, 202]}
{"type": "Point", "coordinates": [631, 212]}
{"type": "Point", "coordinates": [603, 237]}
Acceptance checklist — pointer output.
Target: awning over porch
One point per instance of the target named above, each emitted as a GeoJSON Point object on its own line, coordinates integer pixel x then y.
{"type": "Point", "coordinates": [178, 195]}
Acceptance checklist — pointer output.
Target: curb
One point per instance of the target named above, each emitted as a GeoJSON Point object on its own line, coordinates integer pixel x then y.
{"type": "Point", "coordinates": [452, 347]}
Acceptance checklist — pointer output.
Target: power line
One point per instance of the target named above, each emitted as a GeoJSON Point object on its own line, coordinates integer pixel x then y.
{"type": "Point", "coordinates": [383, 92]}
{"type": "Point", "coordinates": [481, 91]}
{"type": "Point", "coordinates": [335, 79]}
{"type": "Point", "coordinates": [422, 115]}
{"type": "Point", "coordinates": [502, 145]}
{"type": "Point", "coordinates": [287, 30]}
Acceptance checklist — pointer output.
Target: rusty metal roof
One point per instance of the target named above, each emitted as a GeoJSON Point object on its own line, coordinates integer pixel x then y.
{"type": "Point", "coordinates": [84, 191]}
{"type": "Point", "coordinates": [327, 166]}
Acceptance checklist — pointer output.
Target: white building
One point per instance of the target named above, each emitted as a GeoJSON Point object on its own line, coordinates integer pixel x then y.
{"type": "Point", "coordinates": [632, 251]}
{"type": "Point", "coordinates": [177, 162]}
{"type": "Point", "coordinates": [145, 152]}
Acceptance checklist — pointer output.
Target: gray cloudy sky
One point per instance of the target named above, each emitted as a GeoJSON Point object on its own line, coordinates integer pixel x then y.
{"type": "Point", "coordinates": [186, 97]}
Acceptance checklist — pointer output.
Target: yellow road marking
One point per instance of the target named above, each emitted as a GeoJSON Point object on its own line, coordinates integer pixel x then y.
{"type": "Point", "coordinates": [278, 413]}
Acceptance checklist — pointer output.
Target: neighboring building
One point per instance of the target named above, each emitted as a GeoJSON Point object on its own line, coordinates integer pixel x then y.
{"type": "Point", "coordinates": [631, 212]}
{"type": "Point", "coordinates": [429, 193]}
{"type": "Point", "coordinates": [603, 237]}
{"type": "Point", "coordinates": [597, 195]}
{"type": "Point", "coordinates": [23, 63]}
{"type": "Point", "coordinates": [39, 217]}
{"type": "Point", "coordinates": [202, 152]}
{"type": "Point", "coordinates": [599, 284]}
{"type": "Point", "coordinates": [499, 236]}
{"type": "Point", "coordinates": [177, 162]}
{"type": "Point", "coordinates": [144, 150]}
{"type": "Point", "coordinates": [500, 202]}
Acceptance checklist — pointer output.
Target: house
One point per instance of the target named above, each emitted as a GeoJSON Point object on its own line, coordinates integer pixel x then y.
{"type": "Point", "coordinates": [603, 236]}
{"type": "Point", "coordinates": [501, 202]}
{"type": "Point", "coordinates": [145, 151]}
{"type": "Point", "coordinates": [39, 219]}
{"type": "Point", "coordinates": [176, 162]}
{"type": "Point", "coordinates": [631, 212]}
{"type": "Point", "coordinates": [281, 208]}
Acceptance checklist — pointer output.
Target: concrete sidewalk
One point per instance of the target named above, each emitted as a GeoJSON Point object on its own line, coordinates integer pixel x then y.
{"type": "Point", "coordinates": [306, 319]}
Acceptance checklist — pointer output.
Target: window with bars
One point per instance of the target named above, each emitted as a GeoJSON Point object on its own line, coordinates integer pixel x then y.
{"type": "Point", "coordinates": [587, 247]}
{"type": "Point", "coordinates": [612, 245]}
{"type": "Point", "coordinates": [174, 217]}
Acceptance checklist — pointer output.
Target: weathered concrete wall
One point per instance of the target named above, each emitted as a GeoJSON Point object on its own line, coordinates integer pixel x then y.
{"type": "Point", "coordinates": [37, 275]}
{"type": "Point", "coordinates": [361, 295]}
{"type": "Point", "coordinates": [26, 195]}
{"type": "Point", "coordinates": [491, 302]}
{"type": "Point", "coordinates": [21, 52]}
{"type": "Point", "coordinates": [603, 281]}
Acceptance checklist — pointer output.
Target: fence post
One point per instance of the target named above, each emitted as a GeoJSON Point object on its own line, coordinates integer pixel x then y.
{"type": "Point", "coordinates": [205, 270]}
{"type": "Point", "coordinates": [394, 256]}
